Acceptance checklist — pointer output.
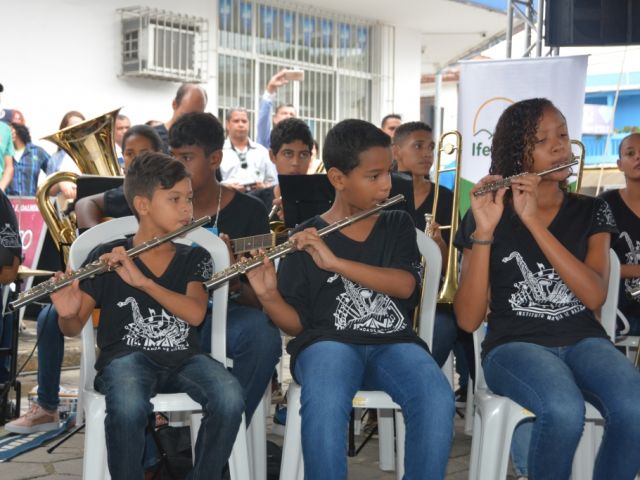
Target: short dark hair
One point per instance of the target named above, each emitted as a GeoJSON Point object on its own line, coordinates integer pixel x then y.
{"type": "Point", "coordinates": [406, 129]}
{"type": "Point", "coordinates": [283, 105]}
{"type": "Point", "coordinates": [289, 130]}
{"type": "Point", "coordinates": [200, 129]}
{"type": "Point", "coordinates": [233, 110]}
{"type": "Point", "coordinates": [143, 131]}
{"type": "Point", "coordinates": [347, 140]}
{"type": "Point", "coordinates": [397, 116]}
{"type": "Point", "coordinates": [621, 142]}
{"type": "Point", "coordinates": [22, 132]}
{"type": "Point", "coordinates": [149, 172]}
{"type": "Point", "coordinates": [186, 88]}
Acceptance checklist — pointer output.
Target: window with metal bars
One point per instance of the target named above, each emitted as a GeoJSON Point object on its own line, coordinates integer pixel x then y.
{"type": "Point", "coordinates": [256, 40]}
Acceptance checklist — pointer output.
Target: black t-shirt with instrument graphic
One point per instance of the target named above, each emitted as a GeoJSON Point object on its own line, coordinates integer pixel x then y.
{"type": "Point", "coordinates": [626, 244]}
{"type": "Point", "coordinates": [131, 320]}
{"type": "Point", "coordinates": [331, 307]}
{"type": "Point", "coordinates": [529, 301]}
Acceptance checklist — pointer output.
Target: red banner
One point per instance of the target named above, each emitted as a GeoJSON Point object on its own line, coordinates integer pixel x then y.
{"type": "Point", "coordinates": [32, 228]}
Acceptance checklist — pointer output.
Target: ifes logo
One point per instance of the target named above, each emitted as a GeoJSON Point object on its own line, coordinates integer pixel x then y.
{"type": "Point", "coordinates": [484, 123]}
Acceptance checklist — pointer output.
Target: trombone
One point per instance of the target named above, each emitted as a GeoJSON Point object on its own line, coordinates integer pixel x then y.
{"type": "Point", "coordinates": [450, 283]}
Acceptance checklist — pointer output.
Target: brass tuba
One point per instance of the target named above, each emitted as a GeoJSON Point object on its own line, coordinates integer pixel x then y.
{"type": "Point", "coordinates": [91, 145]}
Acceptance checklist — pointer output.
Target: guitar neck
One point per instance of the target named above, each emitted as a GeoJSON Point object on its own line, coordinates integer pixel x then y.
{"type": "Point", "coordinates": [266, 240]}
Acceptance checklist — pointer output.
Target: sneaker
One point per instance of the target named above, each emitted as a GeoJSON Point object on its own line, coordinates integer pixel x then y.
{"type": "Point", "coordinates": [461, 397]}
{"type": "Point", "coordinates": [37, 419]}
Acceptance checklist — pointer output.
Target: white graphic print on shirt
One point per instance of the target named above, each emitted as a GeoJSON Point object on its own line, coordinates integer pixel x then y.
{"type": "Point", "coordinates": [204, 269]}
{"type": "Point", "coordinates": [155, 332]}
{"type": "Point", "coordinates": [542, 294]}
{"type": "Point", "coordinates": [9, 238]}
{"type": "Point", "coordinates": [364, 310]}
{"type": "Point", "coordinates": [631, 257]}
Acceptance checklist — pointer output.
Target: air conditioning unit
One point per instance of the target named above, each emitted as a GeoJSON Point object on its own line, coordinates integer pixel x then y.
{"type": "Point", "coordinates": [164, 45]}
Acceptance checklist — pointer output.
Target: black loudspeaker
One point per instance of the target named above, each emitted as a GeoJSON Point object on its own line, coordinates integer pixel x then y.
{"type": "Point", "coordinates": [592, 22]}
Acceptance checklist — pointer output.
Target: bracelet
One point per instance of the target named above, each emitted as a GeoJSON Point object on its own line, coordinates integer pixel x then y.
{"type": "Point", "coordinates": [479, 241]}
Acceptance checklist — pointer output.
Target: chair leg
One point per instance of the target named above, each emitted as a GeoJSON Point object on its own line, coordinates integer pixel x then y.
{"type": "Point", "coordinates": [400, 444]}
{"type": "Point", "coordinates": [386, 440]}
{"type": "Point", "coordinates": [476, 441]}
{"type": "Point", "coordinates": [196, 420]}
{"type": "Point", "coordinates": [94, 462]}
{"type": "Point", "coordinates": [257, 438]}
{"type": "Point", "coordinates": [469, 410]}
{"type": "Point", "coordinates": [239, 459]}
{"type": "Point", "coordinates": [292, 467]}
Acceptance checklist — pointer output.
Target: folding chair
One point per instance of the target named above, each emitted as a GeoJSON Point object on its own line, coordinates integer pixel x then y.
{"type": "Point", "coordinates": [95, 462]}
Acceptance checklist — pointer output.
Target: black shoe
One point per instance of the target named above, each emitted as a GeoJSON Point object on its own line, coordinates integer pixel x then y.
{"type": "Point", "coordinates": [461, 397]}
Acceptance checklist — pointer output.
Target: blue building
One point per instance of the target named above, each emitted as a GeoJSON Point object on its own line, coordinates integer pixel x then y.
{"type": "Point", "coordinates": [601, 90]}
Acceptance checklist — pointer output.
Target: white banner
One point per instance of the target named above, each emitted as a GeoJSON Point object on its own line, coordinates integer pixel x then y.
{"type": "Point", "coordinates": [487, 88]}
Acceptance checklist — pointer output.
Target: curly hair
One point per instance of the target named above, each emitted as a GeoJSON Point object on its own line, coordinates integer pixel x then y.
{"type": "Point", "coordinates": [515, 137]}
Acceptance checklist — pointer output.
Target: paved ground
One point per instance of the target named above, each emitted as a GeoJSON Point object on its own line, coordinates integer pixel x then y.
{"type": "Point", "coordinates": [66, 461]}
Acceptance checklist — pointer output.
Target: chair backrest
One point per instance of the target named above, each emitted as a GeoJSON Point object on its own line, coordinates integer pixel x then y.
{"type": "Point", "coordinates": [118, 228]}
{"type": "Point", "coordinates": [430, 285]}
{"type": "Point", "coordinates": [607, 315]}
{"type": "Point", "coordinates": [609, 310]}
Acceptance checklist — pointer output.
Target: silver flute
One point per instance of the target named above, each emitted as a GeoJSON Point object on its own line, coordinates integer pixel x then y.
{"type": "Point", "coordinates": [96, 268]}
{"type": "Point", "coordinates": [283, 249]}
{"type": "Point", "coordinates": [505, 182]}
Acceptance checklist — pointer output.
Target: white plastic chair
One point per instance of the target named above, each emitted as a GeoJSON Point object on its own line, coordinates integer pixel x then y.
{"type": "Point", "coordinates": [292, 463]}
{"type": "Point", "coordinates": [95, 461]}
{"type": "Point", "coordinates": [496, 417]}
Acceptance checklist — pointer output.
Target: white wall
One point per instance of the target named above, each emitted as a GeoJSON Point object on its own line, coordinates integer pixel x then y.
{"type": "Point", "coordinates": [64, 55]}
{"type": "Point", "coordinates": [448, 102]}
{"type": "Point", "coordinates": [407, 65]}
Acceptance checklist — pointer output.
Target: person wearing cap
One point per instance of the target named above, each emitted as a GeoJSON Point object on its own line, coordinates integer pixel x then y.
{"type": "Point", "coordinates": [6, 152]}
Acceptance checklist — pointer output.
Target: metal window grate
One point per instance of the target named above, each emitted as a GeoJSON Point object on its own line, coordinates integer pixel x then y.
{"type": "Point", "coordinates": [164, 45]}
{"type": "Point", "coordinates": [334, 51]}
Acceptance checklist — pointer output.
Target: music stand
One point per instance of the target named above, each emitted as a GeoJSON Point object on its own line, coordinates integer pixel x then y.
{"type": "Point", "coordinates": [91, 184]}
{"type": "Point", "coordinates": [305, 196]}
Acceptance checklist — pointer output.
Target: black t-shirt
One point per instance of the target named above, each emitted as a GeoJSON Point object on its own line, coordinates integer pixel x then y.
{"type": "Point", "coordinates": [132, 321]}
{"type": "Point", "coordinates": [443, 214]}
{"type": "Point", "coordinates": [266, 196]}
{"type": "Point", "coordinates": [10, 243]}
{"type": "Point", "coordinates": [115, 203]}
{"type": "Point", "coordinates": [244, 216]}
{"type": "Point", "coordinates": [332, 307]}
{"type": "Point", "coordinates": [529, 301]}
{"type": "Point", "coordinates": [626, 244]}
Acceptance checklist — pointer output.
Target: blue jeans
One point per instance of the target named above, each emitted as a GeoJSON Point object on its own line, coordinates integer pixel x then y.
{"type": "Point", "coordinates": [447, 337]}
{"type": "Point", "coordinates": [445, 334]}
{"type": "Point", "coordinates": [50, 354]}
{"type": "Point", "coordinates": [330, 373]}
{"type": "Point", "coordinates": [554, 383]}
{"type": "Point", "coordinates": [254, 344]}
{"type": "Point", "coordinates": [520, 443]}
{"type": "Point", "coordinates": [129, 382]}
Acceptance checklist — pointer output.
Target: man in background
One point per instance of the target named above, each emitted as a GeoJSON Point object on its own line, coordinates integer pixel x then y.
{"type": "Point", "coordinates": [190, 97]}
{"type": "Point", "coordinates": [267, 102]}
{"type": "Point", "coordinates": [390, 123]}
